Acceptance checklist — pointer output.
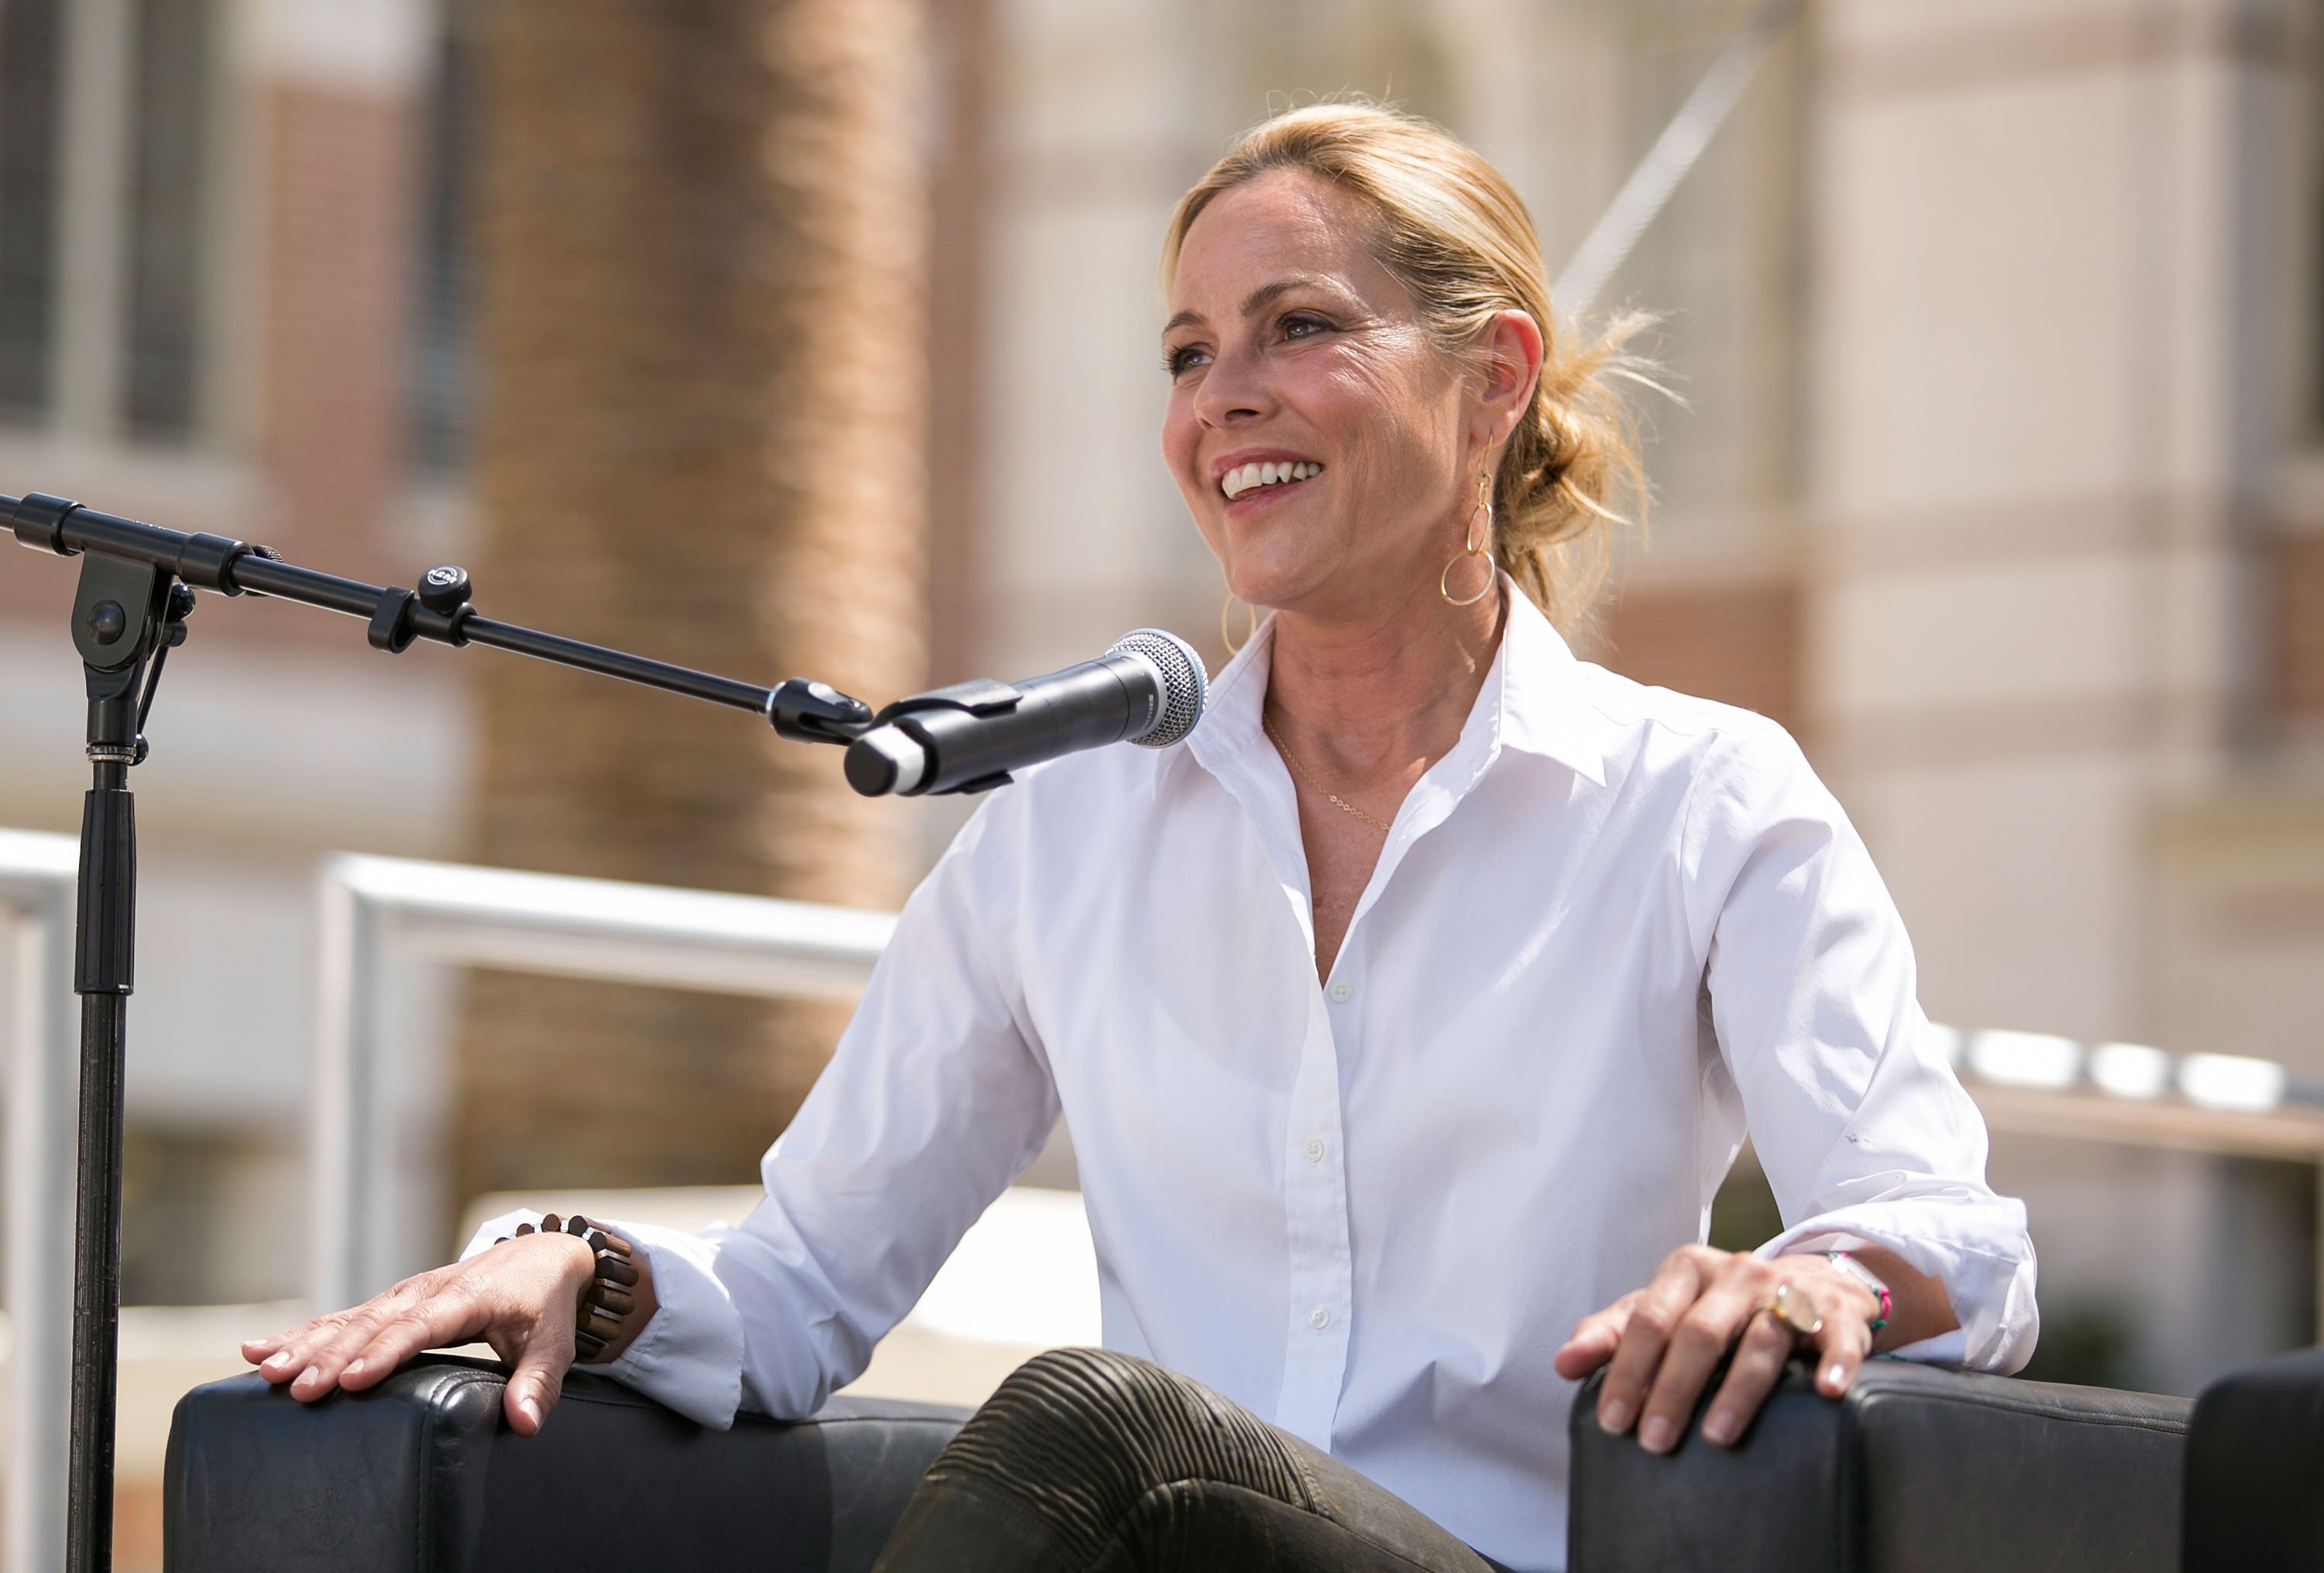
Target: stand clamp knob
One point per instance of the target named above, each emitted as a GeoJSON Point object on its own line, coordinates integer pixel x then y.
{"type": "Point", "coordinates": [446, 589]}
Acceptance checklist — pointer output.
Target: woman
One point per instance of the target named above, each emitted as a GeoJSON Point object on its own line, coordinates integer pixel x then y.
{"type": "Point", "coordinates": [1406, 1017]}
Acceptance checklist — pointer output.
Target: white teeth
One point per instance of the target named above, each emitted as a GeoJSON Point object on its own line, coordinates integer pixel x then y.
{"type": "Point", "coordinates": [1250, 477]}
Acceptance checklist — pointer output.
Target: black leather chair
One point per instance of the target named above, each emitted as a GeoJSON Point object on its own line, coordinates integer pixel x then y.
{"type": "Point", "coordinates": [1917, 1471]}
{"type": "Point", "coordinates": [419, 1475]}
{"type": "Point", "coordinates": [2256, 1469]}
{"type": "Point", "coordinates": [1914, 1471]}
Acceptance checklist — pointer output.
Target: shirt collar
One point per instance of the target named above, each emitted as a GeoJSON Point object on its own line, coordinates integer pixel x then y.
{"type": "Point", "coordinates": [1531, 701]}
{"type": "Point", "coordinates": [1542, 707]}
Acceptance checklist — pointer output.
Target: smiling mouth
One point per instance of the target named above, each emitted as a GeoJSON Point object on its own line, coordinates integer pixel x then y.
{"type": "Point", "coordinates": [1244, 479]}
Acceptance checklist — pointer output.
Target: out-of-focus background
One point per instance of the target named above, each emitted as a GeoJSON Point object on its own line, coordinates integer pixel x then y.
{"type": "Point", "coordinates": [818, 335]}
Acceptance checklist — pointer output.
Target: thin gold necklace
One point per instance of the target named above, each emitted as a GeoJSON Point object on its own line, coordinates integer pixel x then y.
{"type": "Point", "coordinates": [1329, 796]}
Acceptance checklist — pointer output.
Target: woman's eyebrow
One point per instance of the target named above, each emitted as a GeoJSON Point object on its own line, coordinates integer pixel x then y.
{"type": "Point", "coordinates": [1265, 293]}
{"type": "Point", "coordinates": [1253, 301]}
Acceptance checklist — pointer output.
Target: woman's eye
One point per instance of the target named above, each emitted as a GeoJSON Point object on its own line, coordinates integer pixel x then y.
{"type": "Point", "coordinates": [1304, 327]}
{"type": "Point", "coordinates": [1184, 359]}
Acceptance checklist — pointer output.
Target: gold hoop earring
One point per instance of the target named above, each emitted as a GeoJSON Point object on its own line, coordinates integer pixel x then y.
{"type": "Point", "coordinates": [1234, 646]}
{"type": "Point", "coordinates": [1471, 547]}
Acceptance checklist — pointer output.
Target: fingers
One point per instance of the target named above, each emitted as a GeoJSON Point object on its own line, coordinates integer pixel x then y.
{"type": "Point", "coordinates": [1699, 1343]}
{"type": "Point", "coordinates": [450, 1316]}
{"type": "Point", "coordinates": [1843, 1344]}
{"type": "Point", "coordinates": [283, 1357]}
{"type": "Point", "coordinates": [519, 1296]}
{"type": "Point", "coordinates": [538, 1380]}
{"type": "Point", "coordinates": [377, 1337]}
{"type": "Point", "coordinates": [1662, 1344]}
{"type": "Point", "coordinates": [1594, 1340]}
{"type": "Point", "coordinates": [1653, 1321]}
{"type": "Point", "coordinates": [1841, 1348]}
{"type": "Point", "coordinates": [358, 1346]}
{"type": "Point", "coordinates": [1767, 1344]}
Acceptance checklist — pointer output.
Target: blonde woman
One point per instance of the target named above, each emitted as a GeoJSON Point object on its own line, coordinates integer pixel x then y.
{"type": "Point", "coordinates": [1406, 1017]}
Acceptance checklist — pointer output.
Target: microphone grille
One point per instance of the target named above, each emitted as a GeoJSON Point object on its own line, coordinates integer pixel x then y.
{"type": "Point", "coordinates": [1184, 684]}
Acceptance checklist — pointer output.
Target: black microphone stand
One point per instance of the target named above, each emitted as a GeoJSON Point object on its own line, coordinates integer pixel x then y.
{"type": "Point", "coordinates": [137, 585]}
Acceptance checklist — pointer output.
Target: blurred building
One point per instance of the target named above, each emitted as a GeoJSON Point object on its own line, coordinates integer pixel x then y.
{"type": "Point", "coordinates": [229, 297]}
{"type": "Point", "coordinates": [1999, 477]}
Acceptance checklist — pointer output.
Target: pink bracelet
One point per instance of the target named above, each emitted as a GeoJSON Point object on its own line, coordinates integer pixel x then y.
{"type": "Point", "coordinates": [1865, 1276]}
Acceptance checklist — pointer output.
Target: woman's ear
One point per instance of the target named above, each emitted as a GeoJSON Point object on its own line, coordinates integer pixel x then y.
{"type": "Point", "coordinates": [1513, 355]}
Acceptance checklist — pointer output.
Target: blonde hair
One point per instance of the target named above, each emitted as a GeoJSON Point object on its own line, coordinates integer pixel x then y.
{"type": "Point", "coordinates": [1460, 240]}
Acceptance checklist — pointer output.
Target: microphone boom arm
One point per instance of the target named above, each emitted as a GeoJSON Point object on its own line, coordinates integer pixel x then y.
{"type": "Point", "coordinates": [136, 592]}
{"type": "Point", "coordinates": [438, 611]}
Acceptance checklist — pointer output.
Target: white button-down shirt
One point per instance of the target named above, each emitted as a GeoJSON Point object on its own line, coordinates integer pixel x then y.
{"type": "Point", "coordinates": [1611, 929]}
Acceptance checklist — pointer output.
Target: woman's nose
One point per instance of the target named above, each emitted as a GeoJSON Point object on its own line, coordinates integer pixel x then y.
{"type": "Point", "coordinates": [1233, 391]}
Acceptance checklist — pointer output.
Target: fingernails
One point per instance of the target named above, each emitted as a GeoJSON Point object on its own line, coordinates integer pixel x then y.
{"type": "Point", "coordinates": [1719, 1427]}
{"type": "Point", "coordinates": [530, 1408]}
{"type": "Point", "coordinates": [278, 1362]}
{"type": "Point", "coordinates": [307, 1378]}
{"type": "Point", "coordinates": [354, 1368]}
{"type": "Point", "coordinates": [1614, 1415]}
{"type": "Point", "coordinates": [1835, 1376]}
{"type": "Point", "coordinates": [1657, 1435]}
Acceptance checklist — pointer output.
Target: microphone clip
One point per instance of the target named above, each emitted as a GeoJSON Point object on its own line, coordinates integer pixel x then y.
{"type": "Point", "coordinates": [980, 697]}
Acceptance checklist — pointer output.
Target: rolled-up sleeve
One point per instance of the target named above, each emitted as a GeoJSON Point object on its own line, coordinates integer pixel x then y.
{"type": "Point", "coordinates": [1864, 1131]}
{"type": "Point", "coordinates": [936, 1098]}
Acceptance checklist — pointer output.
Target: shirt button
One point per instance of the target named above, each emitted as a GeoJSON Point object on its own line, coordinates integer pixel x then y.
{"type": "Point", "coordinates": [1340, 992]}
{"type": "Point", "coordinates": [1319, 1319]}
{"type": "Point", "coordinates": [1315, 1150]}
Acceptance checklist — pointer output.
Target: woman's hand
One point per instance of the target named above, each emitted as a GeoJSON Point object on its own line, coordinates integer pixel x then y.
{"type": "Point", "coordinates": [518, 1297]}
{"type": "Point", "coordinates": [1663, 1341]}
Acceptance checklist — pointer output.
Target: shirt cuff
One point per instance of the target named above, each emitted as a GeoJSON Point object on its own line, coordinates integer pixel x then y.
{"type": "Point", "coordinates": [1944, 1349]}
{"type": "Point", "coordinates": [688, 1356]}
{"type": "Point", "coordinates": [1992, 1293]}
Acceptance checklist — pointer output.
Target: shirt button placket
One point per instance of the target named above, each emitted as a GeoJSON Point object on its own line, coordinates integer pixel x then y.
{"type": "Point", "coordinates": [1315, 1205]}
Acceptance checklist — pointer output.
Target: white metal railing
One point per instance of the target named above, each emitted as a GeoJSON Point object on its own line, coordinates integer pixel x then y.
{"type": "Point", "coordinates": [36, 923]}
{"type": "Point", "coordinates": [2026, 1083]}
{"type": "Point", "coordinates": [526, 923]}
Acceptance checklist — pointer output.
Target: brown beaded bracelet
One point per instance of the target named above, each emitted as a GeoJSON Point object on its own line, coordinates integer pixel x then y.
{"type": "Point", "coordinates": [605, 1305]}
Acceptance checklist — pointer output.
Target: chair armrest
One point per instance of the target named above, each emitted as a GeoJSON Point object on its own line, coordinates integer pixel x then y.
{"type": "Point", "coordinates": [420, 1475]}
{"type": "Point", "coordinates": [1916, 1470]}
{"type": "Point", "coordinates": [2255, 1456]}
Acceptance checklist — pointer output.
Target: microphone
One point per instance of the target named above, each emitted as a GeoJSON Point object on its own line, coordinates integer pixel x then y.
{"type": "Point", "coordinates": [1147, 690]}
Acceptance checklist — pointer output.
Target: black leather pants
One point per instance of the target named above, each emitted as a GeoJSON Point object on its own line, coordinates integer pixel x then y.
{"type": "Point", "coordinates": [1086, 1459]}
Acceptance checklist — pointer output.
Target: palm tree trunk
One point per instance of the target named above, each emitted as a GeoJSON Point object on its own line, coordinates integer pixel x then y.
{"type": "Point", "coordinates": [701, 334]}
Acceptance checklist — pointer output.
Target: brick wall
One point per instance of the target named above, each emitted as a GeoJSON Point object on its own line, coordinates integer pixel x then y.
{"type": "Point", "coordinates": [1735, 643]}
{"type": "Point", "coordinates": [2295, 577]}
{"type": "Point", "coordinates": [337, 258]}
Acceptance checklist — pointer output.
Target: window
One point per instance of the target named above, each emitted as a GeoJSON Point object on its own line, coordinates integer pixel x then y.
{"type": "Point", "coordinates": [31, 48]}
{"type": "Point", "coordinates": [167, 180]}
{"type": "Point", "coordinates": [439, 397]}
{"type": "Point", "coordinates": [102, 310]}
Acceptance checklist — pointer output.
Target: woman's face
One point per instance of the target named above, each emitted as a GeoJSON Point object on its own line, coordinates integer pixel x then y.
{"type": "Point", "coordinates": [1293, 354]}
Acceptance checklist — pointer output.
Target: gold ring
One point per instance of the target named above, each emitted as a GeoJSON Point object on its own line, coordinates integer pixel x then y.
{"type": "Point", "coordinates": [1794, 1308]}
